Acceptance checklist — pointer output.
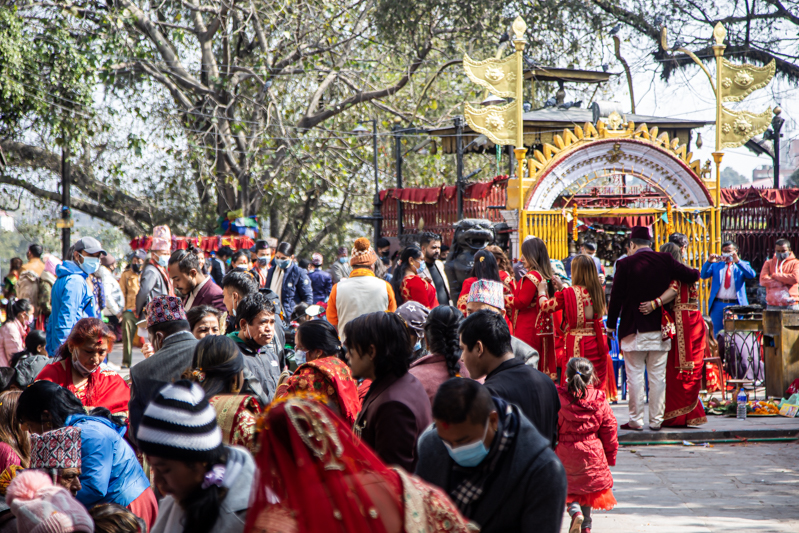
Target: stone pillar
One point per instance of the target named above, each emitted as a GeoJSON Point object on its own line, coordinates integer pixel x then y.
{"type": "Point", "coordinates": [511, 217]}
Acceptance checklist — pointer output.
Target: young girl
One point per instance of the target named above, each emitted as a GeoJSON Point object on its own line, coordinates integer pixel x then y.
{"type": "Point", "coordinates": [587, 444]}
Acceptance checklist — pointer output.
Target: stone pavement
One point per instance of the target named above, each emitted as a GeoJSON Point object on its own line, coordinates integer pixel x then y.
{"type": "Point", "coordinates": [692, 489]}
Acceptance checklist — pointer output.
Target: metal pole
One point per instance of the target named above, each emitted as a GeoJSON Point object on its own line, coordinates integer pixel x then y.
{"type": "Point", "coordinates": [65, 199]}
{"type": "Point", "coordinates": [776, 124]}
{"type": "Point", "coordinates": [459, 165]}
{"type": "Point", "coordinates": [398, 157]}
{"type": "Point", "coordinates": [377, 215]}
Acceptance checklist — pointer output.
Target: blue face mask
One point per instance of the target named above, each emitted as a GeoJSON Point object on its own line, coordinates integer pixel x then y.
{"type": "Point", "coordinates": [422, 268]}
{"type": "Point", "coordinates": [300, 357]}
{"type": "Point", "coordinates": [417, 346]}
{"type": "Point", "coordinates": [283, 263]}
{"type": "Point", "coordinates": [342, 260]}
{"type": "Point", "coordinates": [469, 455]}
{"type": "Point", "coordinates": [163, 261]}
{"type": "Point", "coordinates": [90, 264]}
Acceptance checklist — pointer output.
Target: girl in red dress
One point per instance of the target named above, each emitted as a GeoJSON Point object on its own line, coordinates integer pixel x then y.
{"type": "Point", "coordinates": [684, 367]}
{"type": "Point", "coordinates": [529, 323]}
{"type": "Point", "coordinates": [407, 282]}
{"type": "Point", "coordinates": [486, 267]}
{"type": "Point", "coordinates": [587, 444]}
{"type": "Point", "coordinates": [583, 305]}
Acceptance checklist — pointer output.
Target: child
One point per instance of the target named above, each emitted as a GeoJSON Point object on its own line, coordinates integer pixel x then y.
{"type": "Point", "coordinates": [587, 444]}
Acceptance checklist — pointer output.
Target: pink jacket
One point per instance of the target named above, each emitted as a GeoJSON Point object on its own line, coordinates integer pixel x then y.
{"type": "Point", "coordinates": [432, 371]}
{"type": "Point", "coordinates": [777, 277]}
{"type": "Point", "coordinates": [12, 340]}
{"type": "Point", "coordinates": [587, 441]}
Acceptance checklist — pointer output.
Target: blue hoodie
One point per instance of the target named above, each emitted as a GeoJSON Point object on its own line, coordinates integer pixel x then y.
{"type": "Point", "coordinates": [70, 300]}
{"type": "Point", "coordinates": [110, 472]}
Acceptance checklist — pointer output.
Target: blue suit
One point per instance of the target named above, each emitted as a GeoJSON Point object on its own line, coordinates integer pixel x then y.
{"type": "Point", "coordinates": [741, 271]}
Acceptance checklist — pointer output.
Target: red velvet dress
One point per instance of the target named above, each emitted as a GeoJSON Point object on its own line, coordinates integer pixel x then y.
{"type": "Point", "coordinates": [416, 289]}
{"type": "Point", "coordinates": [583, 337]}
{"type": "Point", "coordinates": [533, 326]}
{"type": "Point", "coordinates": [508, 284]}
{"type": "Point", "coordinates": [103, 388]}
{"type": "Point", "coordinates": [685, 364]}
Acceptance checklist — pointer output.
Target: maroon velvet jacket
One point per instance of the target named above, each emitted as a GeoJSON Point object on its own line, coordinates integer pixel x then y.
{"type": "Point", "coordinates": [210, 294]}
{"type": "Point", "coordinates": [642, 277]}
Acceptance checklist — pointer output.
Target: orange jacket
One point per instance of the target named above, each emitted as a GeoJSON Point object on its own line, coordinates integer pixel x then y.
{"type": "Point", "coordinates": [778, 276]}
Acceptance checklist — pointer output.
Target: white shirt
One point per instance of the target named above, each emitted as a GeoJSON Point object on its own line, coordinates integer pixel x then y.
{"type": "Point", "coordinates": [727, 294]}
{"type": "Point", "coordinates": [651, 341]}
{"type": "Point", "coordinates": [193, 294]}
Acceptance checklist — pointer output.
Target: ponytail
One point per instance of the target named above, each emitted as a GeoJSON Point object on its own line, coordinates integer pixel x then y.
{"type": "Point", "coordinates": [16, 307]}
{"type": "Point", "coordinates": [579, 375]}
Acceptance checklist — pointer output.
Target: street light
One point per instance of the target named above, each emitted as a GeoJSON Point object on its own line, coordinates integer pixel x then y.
{"type": "Point", "coordinates": [377, 216]}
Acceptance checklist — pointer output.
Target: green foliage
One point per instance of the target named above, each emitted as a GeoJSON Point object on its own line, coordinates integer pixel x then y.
{"type": "Point", "coordinates": [730, 177]}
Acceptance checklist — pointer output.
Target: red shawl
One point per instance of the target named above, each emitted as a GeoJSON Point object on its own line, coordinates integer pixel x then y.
{"type": "Point", "coordinates": [104, 388]}
{"type": "Point", "coordinates": [164, 274]}
{"type": "Point", "coordinates": [328, 376]}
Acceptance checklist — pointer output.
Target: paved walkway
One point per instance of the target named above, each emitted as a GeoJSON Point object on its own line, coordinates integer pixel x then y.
{"type": "Point", "coordinates": [724, 488]}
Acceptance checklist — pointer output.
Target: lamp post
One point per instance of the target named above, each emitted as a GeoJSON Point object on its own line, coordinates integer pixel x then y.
{"type": "Point", "coordinates": [776, 127]}
{"type": "Point", "coordinates": [65, 202]}
{"type": "Point", "coordinates": [376, 216]}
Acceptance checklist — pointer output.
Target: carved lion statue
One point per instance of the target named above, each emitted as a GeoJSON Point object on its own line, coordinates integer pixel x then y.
{"type": "Point", "coordinates": [471, 236]}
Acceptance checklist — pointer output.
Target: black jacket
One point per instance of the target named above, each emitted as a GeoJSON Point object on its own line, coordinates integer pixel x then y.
{"type": "Point", "coordinates": [296, 287]}
{"type": "Point", "coordinates": [530, 390]}
{"type": "Point", "coordinates": [527, 492]}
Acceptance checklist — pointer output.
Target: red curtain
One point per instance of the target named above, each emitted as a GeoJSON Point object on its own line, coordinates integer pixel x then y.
{"type": "Point", "coordinates": [775, 197]}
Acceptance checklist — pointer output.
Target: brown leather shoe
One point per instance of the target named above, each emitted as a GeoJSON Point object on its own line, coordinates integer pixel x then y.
{"type": "Point", "coordinates": [628, 426]}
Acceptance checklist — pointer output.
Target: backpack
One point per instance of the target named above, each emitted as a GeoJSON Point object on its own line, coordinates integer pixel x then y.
{"type": "Point", "coordinates": [28, 367]}
{"type": "Point", "coordinates": [28, 287]}
{"type": "Point", "coordinates": [43, 305]}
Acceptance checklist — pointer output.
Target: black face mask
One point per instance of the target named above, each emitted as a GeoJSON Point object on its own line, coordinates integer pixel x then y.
{"type": "Point", "coordinates": [136, 268]}
{"type": "Point", "coordinates": [385, 254]}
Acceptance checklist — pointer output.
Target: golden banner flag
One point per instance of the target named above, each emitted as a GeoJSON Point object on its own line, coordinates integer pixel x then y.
{"type": "Point", "coordinates": [737, 127]}
{"type": "Point", "coordinates": [498, 123]}
{"type": "Point", "coordinates": [496, 75]}
{"type": "Point", "coordinates": [739, 81]}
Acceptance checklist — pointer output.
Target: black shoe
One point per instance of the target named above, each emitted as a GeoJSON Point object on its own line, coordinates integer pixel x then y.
{"type": "Point", "coordinates": [655, 429]}
{"type": "Point", "coordinates": [629, 427]}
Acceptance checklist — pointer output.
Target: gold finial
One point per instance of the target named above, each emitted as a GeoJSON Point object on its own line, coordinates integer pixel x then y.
{"type": "Point", "coordinates": [719, 33]}
{"type": "Point", "coordinates": [777, 111]}
{"type": "Point", "coordinates": [698, 142]}
{"type": "Point", "coordinates": [519, 27]}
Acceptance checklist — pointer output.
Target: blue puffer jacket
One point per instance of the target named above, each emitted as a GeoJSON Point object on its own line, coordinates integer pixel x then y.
{"type": "Point", "coordinates": [110, 472]}
{"type": "Point", "coordinates": [71, 300]}
{"type": "Point", "coordinates": [296, 288]}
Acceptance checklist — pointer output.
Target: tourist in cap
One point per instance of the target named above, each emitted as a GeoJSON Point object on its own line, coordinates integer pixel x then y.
{"type": "Point", "coordinates": [206, 484]}
{"type": "Point", "coordinates": [492, 295]}
{"type": "Point", "coordinates": [129, 284]}
{"type": "Point", "coordinates": [71, 298]}
{"type": "Point", "coordinates": [110, 472]}
{"type": "Point", "coordinates": [644, 276]}
{"type": "Point", "coordinates": [261, 265]}
{"type": "Point", "coordinates": [321, 282]}
{"type": "Point", "coordinates": [57, 452]}
{"type": "Point", "coordinates": [41, 507]}
{"type": "Point", "coordinates": [155, 280]}
{"type": "Point", "coordinates": [173, 347]}
{"type": "Point", "coordinates": [360, 292]}
{"type": "Point", "coordinates": [341, 268]}
{"type": "Point", "coordinates": [77, 366]}
{"type": "Point", "coordinates": [415, 315]}
{"type": "Point", "coordinates": [195, 286]}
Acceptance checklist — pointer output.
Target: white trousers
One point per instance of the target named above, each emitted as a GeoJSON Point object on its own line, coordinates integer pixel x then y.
{"type": "Point", "coordinates": [654, 363]}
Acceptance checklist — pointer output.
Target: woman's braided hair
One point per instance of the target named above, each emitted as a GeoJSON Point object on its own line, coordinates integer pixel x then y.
{"type": "Point", "coordinates": [441, 335]}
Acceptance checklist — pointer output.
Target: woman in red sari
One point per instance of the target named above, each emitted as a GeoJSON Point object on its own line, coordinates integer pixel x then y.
{"type": "Point", "coordinates": [685, 364]}
{"type": "Point", "coordinates": [324, 373]}
{"type": "Point", "coordinates": [486, 267]}
{"type": "Point", "coordinates": [529, 323]}
{"type": "Point", "coordinates": [315, 475]}
{"type": "Point", "coordinates": [407, 283]}
{"type": "Point", "coordinates": [78, 367]}
{"type": "Point", "coordinates": [583, 305]}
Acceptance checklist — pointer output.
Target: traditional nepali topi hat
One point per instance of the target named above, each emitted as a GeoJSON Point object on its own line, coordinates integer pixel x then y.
{"type": "Point", "coordinates": [162, 239]}
{"type": "Point", "coordinates": [180, 424]}
{"type": "Point", "coordinates": [59, 448]}
{"type": "Point", "coordinates": [165, 309]}
{"type": "Point", "coordinates": [317, 259]}
{"type": "Point", "coordinates": [488, 292]}
{"type": "Point", "coordinates": [362, 253]}
{"type": "Point", "coordinates": [640, 232]}
{"type": "Point", "coordinates": [41, 507]}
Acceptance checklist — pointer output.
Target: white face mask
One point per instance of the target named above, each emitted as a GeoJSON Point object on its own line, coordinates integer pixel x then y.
{"type": "Point", "coordinates": [82, 370]}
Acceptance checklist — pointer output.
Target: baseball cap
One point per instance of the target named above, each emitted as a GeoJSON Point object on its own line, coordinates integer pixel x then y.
{"type": "Point", "coordinates": [90, 245]}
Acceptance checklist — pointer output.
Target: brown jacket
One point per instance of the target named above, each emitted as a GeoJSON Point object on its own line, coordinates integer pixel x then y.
{"type": "Point", "coordinates": [129, 283]}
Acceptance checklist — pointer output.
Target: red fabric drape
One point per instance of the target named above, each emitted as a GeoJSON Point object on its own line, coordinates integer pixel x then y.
{"type": "Point", "coordinates": [207, 244]}
{"type": "Point", "coordinates": [775, 197]}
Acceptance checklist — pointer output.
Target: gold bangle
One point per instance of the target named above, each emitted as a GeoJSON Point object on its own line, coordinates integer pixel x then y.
{"type": "Point", "coordinates": [653, 305]}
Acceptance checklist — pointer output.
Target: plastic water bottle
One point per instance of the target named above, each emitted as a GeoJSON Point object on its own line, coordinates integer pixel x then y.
{"type": "Point", "coordinates": [741, 405]}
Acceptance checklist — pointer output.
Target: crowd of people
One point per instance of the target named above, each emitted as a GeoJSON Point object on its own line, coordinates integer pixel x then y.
{"type": "Point", "coordinates": [278, 396]}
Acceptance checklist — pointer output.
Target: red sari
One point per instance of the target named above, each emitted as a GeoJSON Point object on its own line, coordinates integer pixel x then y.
{"type": "Point", "coordinates": [533, 326]}
{"type": "Point", "coordinates": [236, 416]}
{"type": "Point", "coordinates": [103, 388]}
{"type": "Point", "coordinates": [583, 337]}
{"type": "Point", "coordinates": [416, 289]}
{"type": "Point", "coordinates": [685, 364]}
{"type": "Point", "coordinates": [507, 284]}
{"type": "Point", "coordinates": [330, 377]}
